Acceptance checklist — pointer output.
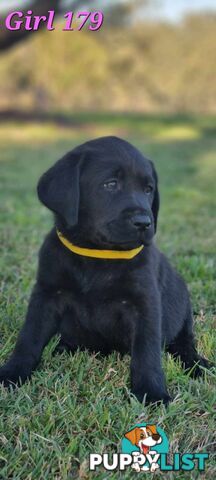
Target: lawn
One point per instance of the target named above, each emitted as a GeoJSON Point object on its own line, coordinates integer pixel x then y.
{"type": "Point", "coordinates": [79, 404]}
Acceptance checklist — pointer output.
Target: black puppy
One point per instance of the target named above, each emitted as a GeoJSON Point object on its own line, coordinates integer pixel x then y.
{"type": "Point", "coordinates": [101, 282]}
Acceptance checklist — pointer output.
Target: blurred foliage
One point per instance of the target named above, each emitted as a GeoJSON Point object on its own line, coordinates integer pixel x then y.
{"type": "Point", "coordinates": [142, 67]}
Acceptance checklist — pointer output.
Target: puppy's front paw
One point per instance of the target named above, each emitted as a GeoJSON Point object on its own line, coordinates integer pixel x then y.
{"type": "Point", "coordinates": [154, 467]}
{"type": "Point", "coordinates": [136, 467]}
{"type": "Point", "coordinates": [6, 379]}
{"type": "Point", "coordinates": [10, 377]}
{"type": "Point", "coordinates": [201, 364]}
{"type": "Point", "coordinates": [153, 397]}
{"type": "Point", "coordinates": [163, 397]}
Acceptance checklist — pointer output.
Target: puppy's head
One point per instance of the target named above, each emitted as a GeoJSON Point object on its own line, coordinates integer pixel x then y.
{"type": "Point", "coordinates": [105, 193]}
{"type": "Point", "coordinates": [144, 437]}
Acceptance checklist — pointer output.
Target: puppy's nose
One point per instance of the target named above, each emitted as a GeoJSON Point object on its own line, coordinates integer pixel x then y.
{"type": "Point", "coordinates": [156, 436]}
{"type": "Point", "coordinates": [141, 222]}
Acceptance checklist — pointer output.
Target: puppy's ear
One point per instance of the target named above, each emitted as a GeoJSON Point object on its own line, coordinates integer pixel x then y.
{"type": "Point", "coordinates": [152, 428]}
{"type": "Point", "coordinates": [58, 188]}
{"type": "Point", "coordinates": [156, 200]}
{"type": "Point", "coordinates": [132, 435]}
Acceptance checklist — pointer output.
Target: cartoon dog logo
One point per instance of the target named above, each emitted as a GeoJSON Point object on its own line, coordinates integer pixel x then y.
{"type": "Point", "coordinates": [144, 438]}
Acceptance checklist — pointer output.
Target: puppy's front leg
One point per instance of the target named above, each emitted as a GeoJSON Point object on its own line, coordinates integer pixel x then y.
{"type": "Point", "coordinates": [147, 377]}
{"type": "Point", "coordinates": [40, 325]}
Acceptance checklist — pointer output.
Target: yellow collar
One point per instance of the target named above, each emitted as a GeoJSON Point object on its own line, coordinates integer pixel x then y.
{"type": "Point", "coordinates": [105, 254]}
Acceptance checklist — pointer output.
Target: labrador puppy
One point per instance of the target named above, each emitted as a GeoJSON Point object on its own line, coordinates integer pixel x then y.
{"type": "Point", "coordinates": [102, 284]}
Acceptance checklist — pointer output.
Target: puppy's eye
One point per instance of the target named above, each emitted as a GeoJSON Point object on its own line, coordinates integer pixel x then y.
{"type": "Point", "coordinates": [148, 189]}
{"type": "Point", "coordinates": [111, 185]}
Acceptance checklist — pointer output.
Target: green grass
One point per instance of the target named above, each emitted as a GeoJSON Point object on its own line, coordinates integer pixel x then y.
{"type": "Point", "coordinates": [79, 404]}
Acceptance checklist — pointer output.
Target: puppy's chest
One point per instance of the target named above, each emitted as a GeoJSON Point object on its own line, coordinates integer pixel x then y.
{"type": "Point", "coordinates": [106, 294]}
{"type": "Point", "coordinates": [101, 310]}
{"type": "Point", "coordinates": [98, 282]}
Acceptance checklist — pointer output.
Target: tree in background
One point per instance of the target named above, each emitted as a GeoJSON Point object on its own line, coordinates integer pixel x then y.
{"type": "Point", "coordinates": [138, 66]}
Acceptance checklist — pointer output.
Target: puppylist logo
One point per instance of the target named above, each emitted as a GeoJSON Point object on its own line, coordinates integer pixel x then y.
{"type": "Point", "coordinates": [145, 448]}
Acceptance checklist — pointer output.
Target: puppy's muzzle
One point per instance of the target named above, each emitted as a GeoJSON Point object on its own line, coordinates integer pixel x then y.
{"type": "Point", "coordinates": [141, 222]}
